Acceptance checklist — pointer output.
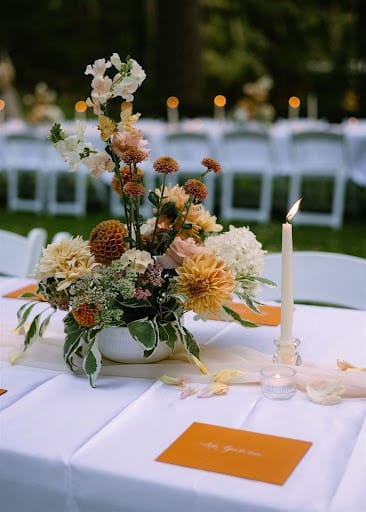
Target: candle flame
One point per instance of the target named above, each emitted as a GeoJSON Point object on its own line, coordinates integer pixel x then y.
{"type": "Point", "coordinates": [294, 102]}
{"type": "Point", "coordinates": [2, 104]}
{"type": "Point", "coordinates": [277, 376]}
{"type": "Point", "coordinates": [80, 106]}
{"type": "Point", "coordinates": [293, 210]}
{"type": "Point", "coordinates": [220, 100]}
{"type": "Point", "coordinates": [172, 102]}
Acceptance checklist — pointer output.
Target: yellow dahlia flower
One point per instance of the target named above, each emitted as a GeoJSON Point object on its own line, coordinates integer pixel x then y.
{"type": "Point", "coordinates": [65, 261]}
{"type": "Point", "coordinates": [206, 282]}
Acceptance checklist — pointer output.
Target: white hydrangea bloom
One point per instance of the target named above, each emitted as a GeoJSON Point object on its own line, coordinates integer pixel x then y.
{"type": "Point", "coordinates": [137, 260]}
{"type": "Point", "coordinates": [242, 253]}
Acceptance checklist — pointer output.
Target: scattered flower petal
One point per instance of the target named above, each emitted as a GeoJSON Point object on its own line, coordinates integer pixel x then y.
{"type": "Point", "coordinates": [325, 392]}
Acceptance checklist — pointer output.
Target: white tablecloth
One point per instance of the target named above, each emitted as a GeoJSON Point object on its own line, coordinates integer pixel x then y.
{"type": "Point", "coordinates": [65, 447]}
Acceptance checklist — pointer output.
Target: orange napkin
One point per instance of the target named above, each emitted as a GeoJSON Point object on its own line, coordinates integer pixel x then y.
{"type": "Point", "coordinates": [17, 294]}
{"type": "Point", "coordinates": [2, 391]}
{"type": "Point", "coordinates": [270, 315]}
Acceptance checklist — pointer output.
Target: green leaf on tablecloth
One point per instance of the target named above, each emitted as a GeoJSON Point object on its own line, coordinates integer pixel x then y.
{"type": "Point", "coordinates": [237, 317]}
{"type": "Point", "coordinates": [144, 332]}
{"type": "Point", "coordinates": [92, 363]}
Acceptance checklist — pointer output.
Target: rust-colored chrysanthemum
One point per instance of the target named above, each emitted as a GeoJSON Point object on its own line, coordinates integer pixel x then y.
{"type": "Point", "coordinates": [206, 281]}
{"type": "Point", "coordinates": [196, 189]}
{"type": "Point", "coordinates": [85, 315]}
{"type": "Point", "coordinates": [116, 186]}
{"type": "Point", "coordinates": [107, 241]}
{"type": "Point", "coordinates": [129, 174]}
{"type": "Point", "coordinates": [166, 165]}
{"type": "Point", "coordinates": [133, 189]}
{"type": "Point", "coordinates": [133, 156]}
{"type": "Point", "coordinates": [211, 165]}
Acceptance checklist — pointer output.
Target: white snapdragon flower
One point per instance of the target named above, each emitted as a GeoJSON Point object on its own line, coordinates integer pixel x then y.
{"type": "Point", "coordinates": [125, 87]}
{"type": "Point", "coordinates": [137, 73]}
{"type": "Point", "coordinates": [242, 253]}
{"type": "Point", "coordinates": [72, 145]}
{"type": "Point", "coordinates": [101, 88]}
{"type": "Point", "coordinates": [116, 61]}
{"type": "Point", "coordinates": [98, 68]}
{"type": "Point", "coordinates": [98, 163]}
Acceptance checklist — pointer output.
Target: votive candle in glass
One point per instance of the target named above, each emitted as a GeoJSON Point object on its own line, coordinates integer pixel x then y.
{"type": "Point", "coordinates": [278, 382]}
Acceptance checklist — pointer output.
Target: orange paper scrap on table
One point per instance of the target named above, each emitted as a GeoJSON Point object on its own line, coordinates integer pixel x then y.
{"type": "Point", "coordinates": [17, 294]}
{"type": "Point", "coordinates": [236, 452]}
{"type": "Point", "coordinates": [269, 315]}
{"type": "Point", "coordinates": [2, 391]}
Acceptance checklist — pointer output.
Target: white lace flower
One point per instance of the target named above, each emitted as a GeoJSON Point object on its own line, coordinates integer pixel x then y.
{"type": "Point", "coordinates": [242, 253]}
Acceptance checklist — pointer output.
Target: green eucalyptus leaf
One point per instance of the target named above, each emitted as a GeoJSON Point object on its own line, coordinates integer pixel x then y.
{"type": "Point", "coordinates": [237, 318]}
{"type": "Point", "coordinates": [170, 210]}
{"type": "Point", "coordinates": [261, 280]}
{"type": "Point", "coordinates": [168, 335]}
{"type": "Point", "coordinates": [154, 198]}
{"type": "Point", "coordinates": [144, 332]}
{"type": "Point", "coordinates": [190, 343]}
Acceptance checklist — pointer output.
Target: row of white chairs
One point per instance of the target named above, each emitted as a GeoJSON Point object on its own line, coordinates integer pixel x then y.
{"type": "Point", "coordinates": [249, 153]}
{"type": "Point", "coordinates": [319, 277]}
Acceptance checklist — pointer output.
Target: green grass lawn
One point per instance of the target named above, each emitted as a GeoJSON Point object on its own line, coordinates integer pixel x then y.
{"type": "Point", "coordinates": [350, 239]}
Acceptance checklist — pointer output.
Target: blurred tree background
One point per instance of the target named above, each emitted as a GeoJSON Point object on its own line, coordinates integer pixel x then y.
{"type": "Point", "coordinates": [195, 49]}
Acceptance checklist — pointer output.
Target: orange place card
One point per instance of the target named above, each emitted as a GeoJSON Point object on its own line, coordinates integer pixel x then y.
{"type": "Point", "coordinates": [2, 391]}
{"type": "Point", "coordinates": [236, 452]}
{"type": "Point", "coordinates": [17, 294]}
{"type": "Point", "coordinates": [269, 315]}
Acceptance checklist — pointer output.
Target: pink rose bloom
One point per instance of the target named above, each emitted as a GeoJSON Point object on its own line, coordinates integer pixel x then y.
{"type": "Point", "coordinates": [125, 140]}
{"type": "Point", "coordinates": [179, 250]}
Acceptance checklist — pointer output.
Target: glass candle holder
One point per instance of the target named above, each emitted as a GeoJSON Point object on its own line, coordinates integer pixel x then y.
{"type": "Point", "coordinates": [278, 382]}
{"type": "Point", "coordinates": [286, 353]}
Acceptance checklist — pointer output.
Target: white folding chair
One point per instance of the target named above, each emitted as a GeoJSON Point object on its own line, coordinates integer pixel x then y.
{"type": "Point", "coordinates": [74, 186]}
{"type": "Point", "coordinates": [320, 278]}
{"type": "Point", "coordinates": [25, 156]}
{"type": "Point", "coordinates": [319, 155]}
{"type": "Point", "coordinates": [61, 235]}
{"type": "Point", "coordinates": [189, 148]}
{"type": "Point", "coordinates": [249, 154]}
{"type": "Point", "coordinates": [19, 254]}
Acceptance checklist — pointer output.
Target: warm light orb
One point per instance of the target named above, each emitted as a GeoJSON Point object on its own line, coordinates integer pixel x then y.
{"type": "Point", "coordinates": [2, 104]}
{"type": "Point", "coordinates": [80, 106]}
{"type": "Point", "coordinates": [293, 210]}
{"type": "Point", "coordinates": [220, 100]}
{"type": "Point", "coordinates": [172, 102]}
{"type": "Point", "coordinates": [294, 102]}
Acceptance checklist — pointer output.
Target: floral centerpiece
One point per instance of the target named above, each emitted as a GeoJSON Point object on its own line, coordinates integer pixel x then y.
{"type": "Point", "coordinates": [143, 274]}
